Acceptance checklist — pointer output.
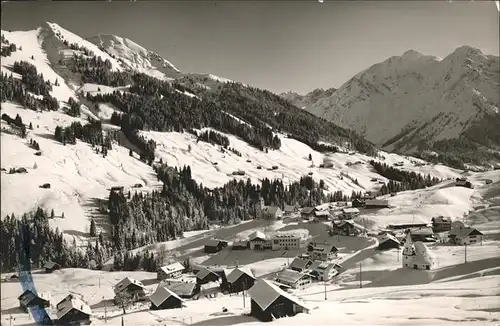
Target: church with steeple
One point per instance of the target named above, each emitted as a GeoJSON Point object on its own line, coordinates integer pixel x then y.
{"type": "Point", "coordinates": [416, 255]}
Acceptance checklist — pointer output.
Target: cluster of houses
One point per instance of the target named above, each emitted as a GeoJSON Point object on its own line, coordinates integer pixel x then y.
{"type": "Point", "coordinates": [69, 311]}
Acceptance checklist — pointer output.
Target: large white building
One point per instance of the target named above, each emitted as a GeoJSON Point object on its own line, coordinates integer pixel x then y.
{"type": "Point", "coordinates": [285, 242]}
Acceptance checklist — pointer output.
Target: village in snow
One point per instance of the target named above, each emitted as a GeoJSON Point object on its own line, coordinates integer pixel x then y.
{"type": "Point", "coordinates": [136, 194]}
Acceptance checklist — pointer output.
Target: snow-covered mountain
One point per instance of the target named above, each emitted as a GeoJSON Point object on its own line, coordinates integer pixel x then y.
{"type": "Point", "coordinates": [416, 99]}
{"type": "Point", "coordinates": [304, 101]}
{"type": "Point", "coordinates": [134, 56]}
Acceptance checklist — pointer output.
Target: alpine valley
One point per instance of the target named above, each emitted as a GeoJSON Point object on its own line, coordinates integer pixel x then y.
{"type": "Point", "coordinates": [131, 189]}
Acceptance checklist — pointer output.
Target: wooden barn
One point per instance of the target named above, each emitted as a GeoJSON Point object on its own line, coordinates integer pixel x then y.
{"type": "Point", "coordinates": [184, 290]}
{"type": "Point", "coordinates": [73, 311]}
{"type": "Point", "coordinates": [240, 279]}
{"type": "Point", "coordinates": [388, 241]}
{"type": "Point", "coordinates": [164, 298]}
{"type": "Point", "coordinates": [206, 275]}
{"type": "Point", "coordinates": [29, 299]}
{"type": "Point", "coordinates": [51, 266]}
{"type": "Point", "coordinates": [299, 264]}
{"type": "Point", "coordinates": [269, 302]}
{"type": "Point", "coordinates": [213, 246]}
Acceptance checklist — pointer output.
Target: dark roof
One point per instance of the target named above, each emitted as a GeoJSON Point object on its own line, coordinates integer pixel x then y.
{"type": "Point", "coordinates": [183, 288]}
{"type": "Point", "coordinates": [464, 232]}
{"type": "Point", "coordinates": [307, 210]}
{"type": "Point", "coordinates": [300, 263]}
{"type": "Point", "coordinates": [50, 264]}
{"type": "Point", "coordinates": [325, 247]}
{"type": "Point", "coordinates": [213, 242]}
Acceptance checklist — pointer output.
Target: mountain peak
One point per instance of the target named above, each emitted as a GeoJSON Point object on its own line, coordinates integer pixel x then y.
{"type": "Point", "coordinates": [412, 54]}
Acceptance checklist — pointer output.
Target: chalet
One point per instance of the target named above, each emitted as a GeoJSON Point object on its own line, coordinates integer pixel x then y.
{"type": "Point", "coordinates": [73, 311]}
{"type": "Point", "coordinates": [349, 213]}
{"type": "Point", "coordinates": [323, 271]}
{"type": "Point", "coordinates": [377, 203]}
{"type": "Point", "coordinates": [30, 299]}
{"type": "Point", "coordinates": [272, 212]}
{"type": "Point", "coordinates": [465, 236]}
{"type": "Point", "coordinates": [307, 212]}
{"type": "Point", "coordinates": [183, 289]}
{"type": "Point", "coordinates": [240, 279]}
{"type": "Point", "coordinates": [269, 302]}
{"type": "Point", "coordinates": [322, 251]}
{"type": "Point", "coordinates": [170, 271]}
{"type": "Point", "coordinates": [369, 196]}
{"type": "Point", "coordinates": [206, 275]}
{"type": "Point", "coordinates": [463, 182]}
{"type": "Point", "coordinates": [132, 286]}
{"type": "Point", "coordinates": [240, 245]}
{"type": "Point", "coordinates": [290, 209]}
{"type": "Point", "coordinates": [163, 298]}
{"type": "Point", "coordinates": [322, 215]}
{"type": "Point", "coordinates": [345, 227]}
{"type": "Point", "coordinates": [214, 245]}
{"type": "Point", "coordinates": [259, 241]}
{"type": "Point", "coordinates": [388, 241]}
{"type": "Point", "coordinates": [285, 242]}
{"type": "Point", "coordinates": [424, 234]}
{"type": "Point", "coordinates": [51, 266]}
{"type": "Point", "coordinates": [441, 224]}
{"type": "Point", "coordinates": [356, 202]}
{"type": "Point", "coordinates": [294, 279]}
{"type": "Point", "coordinates": [300, 264]}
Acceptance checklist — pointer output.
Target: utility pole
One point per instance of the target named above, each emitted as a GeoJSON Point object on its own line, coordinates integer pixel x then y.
{"type": "Point", "coordinates": [105, 311]}
{"type": "Point", "coordinates": [325, 289]}
{"type": "Point", "coordinates": [465, 253]}
{"type": "Point", "coordinates": [360, 283]}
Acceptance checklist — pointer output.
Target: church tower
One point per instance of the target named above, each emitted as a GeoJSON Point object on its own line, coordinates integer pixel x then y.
{"type": "Point", "coordinates": [408, 251]}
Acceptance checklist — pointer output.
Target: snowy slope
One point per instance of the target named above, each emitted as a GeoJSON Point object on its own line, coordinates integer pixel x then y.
{"type": "Point", "coordinates": [63, 34]}
{"type": "Point", "coordinates": [78, 176]}
{"type": "Point", "coordinates": [434, 99]}
{"type": "Point", "coordinates": [31, 44]}
{"type": "Point", "coordinates": [134, 56]}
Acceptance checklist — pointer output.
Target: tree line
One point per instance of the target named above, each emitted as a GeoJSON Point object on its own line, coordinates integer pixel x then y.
{"type": "Point", "coordinates": [400, 180]}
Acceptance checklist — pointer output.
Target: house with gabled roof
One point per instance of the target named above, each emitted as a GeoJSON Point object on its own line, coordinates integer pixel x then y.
{"type": "Point", "coordinates": [170, 271]}
{"type": "Point", "coordinates": [240, 279]}
{"type": "Point", "coordinates": [322, 215]}
{"type": "Point", "coordinates": [294, 279]}
{"type": "Point", "coordinates": [164, 298]}
{"type": "Point", "coordinates": [388, 241]}
{"type": "Point", "coordinates": [465, 235]}
{"type": "Point", "coordinates": [441, 224]}
{"type": "Point", "coordinates": [323, 271]}
{"type": "Point", "coordinates": [269, 302]}
{"type": "Point", "coordinates": [72, 310]}
{"type": "Point", "coordinates": [349, 213]}
{"type": "Point", "coordinates": [259, 241]}
{"type": "Point", "coordinates": [300, 264]}
{"type": "Point", "coordinates": [307, 212]}
{"type": "Point", "coordinates": [272, 212]}
{"type": "Point", "coordinates": [213, 246]}
{"type": "Point", "coordinates": [135, 288]}
{"type": "Point", "coordinates": [206, 275]}
{"type": "Point", "coordinates": [51, 266]}
{"type": "Point", "coordinates": [345, 227]}
{"type": "Point", "coordinates": [184, 290]}
{"type": "Point", "coordinates": [290, 209]}
{"type": "Point", "coordinates": [322, 251]}
{"type": "Point", "coordinates": [30, 299]}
